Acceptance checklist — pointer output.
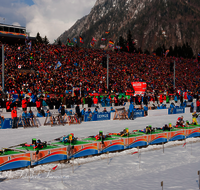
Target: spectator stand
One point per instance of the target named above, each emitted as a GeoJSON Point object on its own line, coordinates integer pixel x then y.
{"type": "Point", "coordinates": [120, 113]}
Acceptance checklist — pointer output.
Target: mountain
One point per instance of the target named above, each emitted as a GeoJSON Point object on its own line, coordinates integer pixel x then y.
{"type": "Point", "coordinates": [152, 23]}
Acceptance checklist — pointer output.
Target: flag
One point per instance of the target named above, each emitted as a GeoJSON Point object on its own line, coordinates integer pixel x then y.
{"type": "Point", "coordinates": [102, 46]}
{"type": "Point", "coordinates": [118, 47]}
{"type": "Point", "coordinates": [127, 46]}
{"type": "Point", "coordinates": [91, 44]}
{"type": "Point", "coordinates": [70, 44]}
{"type": "Point", "coordinates": [19, 66]}
{"type": "Point", "coordinates": [54, 167]}
{"type": "Point", "coordinates": [19, 48]}
{"type": "Point", "coordinates": [30, 45]}
{"type": "Point", "coordinates": [75, 40]}
{"type": "Point", "coordinates": [93, 39]}
{"type": "Point", "coordinates": [111, 42]}
{"type": "Point", "coordinates": [68, 40]}
{"type": "Point", "coordinates": [81, 40]}
{"type": "Point", "coordinates": [27, 36]}
{"type": "Point", "coordinates": [107, 32]}
{"type": "Point", "coordinates": [103, 39]}
{"type": "Point", "coordinates": [166, 53]}
{"type": "Point", "coordinates": [58, 65]}
{"type": "Point", "coordinates": [110, 45]}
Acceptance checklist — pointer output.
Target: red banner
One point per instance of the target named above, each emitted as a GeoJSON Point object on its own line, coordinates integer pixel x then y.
{"type": "Point", "coordinates": [94, 94]}
{"type": "Point", "coordinates": [139, 87]}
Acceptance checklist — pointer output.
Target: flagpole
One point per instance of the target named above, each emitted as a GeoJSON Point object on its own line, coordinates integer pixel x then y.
{"type": "Point", "coordinates": [174, 74]}
{"type": "Point", "coordinates": [108, 72]}
{"type": "Point", "coordinates": [2, 67]}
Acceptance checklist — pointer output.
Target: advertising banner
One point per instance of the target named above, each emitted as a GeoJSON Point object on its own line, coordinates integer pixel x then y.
{"type": "Point", "coordinates": [97, 117]}
{"type": "Point", "coordinates": [176, 110]}
{"type": "Point", "coordinates": [139, 87]}
{"type": "Point", "coordinates": [139, 113]}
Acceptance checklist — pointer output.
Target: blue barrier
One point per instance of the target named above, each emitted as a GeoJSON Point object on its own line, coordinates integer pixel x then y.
{"type": "Point", "coordinates": [138, 113]}
{"type": "Point", "coordinates": [176, 110]}
{"type": "Point", "coordinates": [6, 124]}
{"type": "Point", "coordinates": [97, 117]}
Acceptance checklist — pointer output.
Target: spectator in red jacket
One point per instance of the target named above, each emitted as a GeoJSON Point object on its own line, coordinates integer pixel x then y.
{"type": "Point", "coordinates": [95, 101]}
{"type": "Point", "coordinates": [8, 105]}
{"type": "Point", "coordinates": [24, 104]}
{"type": "Point", "coordinates": [198, 105]}
{"type": "Point", "coordinates": [38, 104]}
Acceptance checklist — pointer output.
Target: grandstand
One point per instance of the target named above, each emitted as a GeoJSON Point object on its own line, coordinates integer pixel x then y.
{"type": "Point", "coordinates": [11, 34]}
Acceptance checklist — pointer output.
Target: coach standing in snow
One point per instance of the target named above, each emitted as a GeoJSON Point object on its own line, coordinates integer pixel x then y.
{"type": "Point", "coordinates": [14, 117]}
{"type": "Point", "coordinates": [131, 111]}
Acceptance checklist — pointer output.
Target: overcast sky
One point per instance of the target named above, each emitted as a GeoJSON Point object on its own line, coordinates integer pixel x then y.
{"type": "Point", "coordinates": [48, 17]}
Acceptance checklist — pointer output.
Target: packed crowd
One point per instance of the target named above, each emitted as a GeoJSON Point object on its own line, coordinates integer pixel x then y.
{"type": "Point", "coordinates": [83, 68]}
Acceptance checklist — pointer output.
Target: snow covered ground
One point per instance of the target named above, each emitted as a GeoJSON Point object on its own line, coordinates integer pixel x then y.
{"type": "Point", "coordinates": [177, 167]}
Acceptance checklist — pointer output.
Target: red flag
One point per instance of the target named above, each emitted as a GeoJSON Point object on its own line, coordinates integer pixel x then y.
{"type": "Point", "coordinates": [54, 167]}
{"type": "Point", "coordinates": [127, 46]}
{"type": "Point", "coordinates": [81, 40]}
{"type": "Point", "coordinates": [184, 144]}
{"type": "Point", "coordinates": [68, 40]}
{"type": "Point", "coordinates": [93, 39]}
{"type": "Point", "coordinates": [134, 152]}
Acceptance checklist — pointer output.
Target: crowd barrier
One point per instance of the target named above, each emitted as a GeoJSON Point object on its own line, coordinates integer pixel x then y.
{"type": "Point", "coordinates": [7, 123]}
{"type": "Point", "coordinates": [97, 117]}
{"type": "Point", "coordinates": [176, 110]}
{"type": "Point", "coordinates": [20, 157]}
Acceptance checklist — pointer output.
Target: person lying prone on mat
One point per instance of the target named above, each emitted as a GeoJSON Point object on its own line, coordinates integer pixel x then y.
{"type": "Point", "coordinates": [147, 130]}
{"type": "Point", "coordinates": [68, 138]}
{"type": "Point", "coordinates": [40, 144]}
{"type": "Point", "coordinates": [164, 128]}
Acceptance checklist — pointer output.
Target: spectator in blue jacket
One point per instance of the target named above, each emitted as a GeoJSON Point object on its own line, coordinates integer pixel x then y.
{"type": "Point", "coordinates": [107, 101]}
{"type": "Point", "coordinates": [176, 98]}
{"type": "Point", "coordinates": [172, 106]}
{"type": "Point", "coordinates": [103, 103]}
{"type": "Point", "coordinates": [189, 98]}
{"type": "Point", "coordinates": [30, 114]}
{"type": "Point", "coordinates": [112, 110]}
{"type": "Point", "coordinates": [39, 114]}
{"type": "Point", "coordinates": [69, 112]}
{"type": "Point", "coordinates": [44, 103]}
{"type": "Point", "coordinates": [89, 111]}
{"type": "Point", "coordinates": [83, 111]}
{"type": "Point", "coordinates": [25, 117]}
{"type": "Point", "coordinates": [191, 107]}
{"type": "Point", "coordinates": [95, 111]}
{"type": "Point", "coordinates": [104, 111]}
{"type": "Point", "coordinates": [185, 103]}
{"type": "Point", "coordinates": [33, 99]}
{"type": "Point", "coordinates": [131, 111]}
{"type": "Point", "coordinates": [158, 107]}
{"type": "Point", "coordinates": [83, 114]}
{"type": "Point", "coordinates": [48, 114]}
{"type": "Point", "coordinates": [145, 110]}
{"type": "Point", "coordinates": [163, 106]}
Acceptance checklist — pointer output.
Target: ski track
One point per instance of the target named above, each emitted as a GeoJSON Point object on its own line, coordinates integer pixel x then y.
{"type": "Point", "coordinates": [177, 167]}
